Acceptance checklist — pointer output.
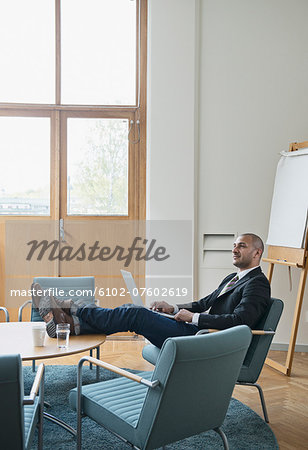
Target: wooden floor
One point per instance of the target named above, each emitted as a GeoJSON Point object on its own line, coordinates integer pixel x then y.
{"type": "Point", "coordinates": [286, 397]}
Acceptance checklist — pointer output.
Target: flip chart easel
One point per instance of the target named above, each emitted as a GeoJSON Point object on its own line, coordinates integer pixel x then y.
{"type": "Point", "coordinates": [292, 257]}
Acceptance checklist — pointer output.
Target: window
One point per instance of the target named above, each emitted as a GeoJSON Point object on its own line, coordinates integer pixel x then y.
{"type": "Point", "coordinates": [97, 162]}
{"type": "Point", "coordinates": [27, 48]}
{"type": "Point", "coordinates": [98, 52]}
{"type": "Point", "coordinates": [24, 182]}
{"type": "Point", "coordinates": [72, 108]}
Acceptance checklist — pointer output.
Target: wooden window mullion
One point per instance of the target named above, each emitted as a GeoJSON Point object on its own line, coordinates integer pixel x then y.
{"type": "Point", "coordinates": [58, 52]}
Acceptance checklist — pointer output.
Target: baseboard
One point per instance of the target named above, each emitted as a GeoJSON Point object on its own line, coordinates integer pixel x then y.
{"type": "Point", "coordinates": [134, 337]}
{"type": "Point", "coordinates": [301, 348]}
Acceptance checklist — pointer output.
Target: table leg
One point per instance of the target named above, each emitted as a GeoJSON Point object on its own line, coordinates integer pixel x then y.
{"type": "Point", "coordinates": [97, 367]}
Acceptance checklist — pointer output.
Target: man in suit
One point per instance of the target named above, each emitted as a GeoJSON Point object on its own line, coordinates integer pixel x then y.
{"type": "Point", "coordinates": [241, 298]}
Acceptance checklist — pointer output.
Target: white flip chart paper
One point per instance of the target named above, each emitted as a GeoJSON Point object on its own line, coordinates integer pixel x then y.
{"type": "Point", "coordinates": [288, 219]}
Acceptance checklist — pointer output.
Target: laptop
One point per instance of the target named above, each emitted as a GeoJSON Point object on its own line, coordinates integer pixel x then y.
{"type": "Point", "coordinates": [134, 293]}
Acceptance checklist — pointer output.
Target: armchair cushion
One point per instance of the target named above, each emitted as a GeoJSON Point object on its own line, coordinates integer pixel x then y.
{"type": "Point", "coordinates": [119, 401]}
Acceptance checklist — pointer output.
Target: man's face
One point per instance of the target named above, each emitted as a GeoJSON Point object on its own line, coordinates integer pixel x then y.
{"type": "Point", "coordinates": [244, 254]}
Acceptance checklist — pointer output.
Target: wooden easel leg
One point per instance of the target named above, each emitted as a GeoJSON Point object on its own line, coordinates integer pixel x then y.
{"type": "Point", "coordinates": [270, 272]}
{"type": "Point", "coordinates": [276, 365]}
{"type": "Point", "coordinates": [270, 362]}
{"type": "Point", "coordinates": [296, 317]}
{"type": "Point", "coordinates": [286, 369]}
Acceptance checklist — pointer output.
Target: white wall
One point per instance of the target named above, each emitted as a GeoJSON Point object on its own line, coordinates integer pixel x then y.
{"type": "Point", "coordinates": [171, 143]}
{"type": "Point", "coordinates": [253, 103]}
{"type": "Point", "coordinates": [247, 62]}
{"type": "Point", "coordinates": [171, 111]}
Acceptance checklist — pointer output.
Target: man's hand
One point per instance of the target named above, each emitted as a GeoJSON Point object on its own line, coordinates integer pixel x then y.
{"type": "Point", "coordinates": [184, 316]}
{"type": "Point", "coordinates": [162, 306]}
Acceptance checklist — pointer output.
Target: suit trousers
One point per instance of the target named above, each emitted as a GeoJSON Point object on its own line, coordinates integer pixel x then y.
{"type": "Point", "coordinates": [153, 326]}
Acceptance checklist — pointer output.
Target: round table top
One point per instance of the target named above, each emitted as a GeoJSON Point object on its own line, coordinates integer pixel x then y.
{"type": "Point", "coordinates": [16, 337]}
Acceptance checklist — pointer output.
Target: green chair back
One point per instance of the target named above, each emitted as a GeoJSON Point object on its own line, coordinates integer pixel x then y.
{"type": "Point", "coordinates": [259, 347]}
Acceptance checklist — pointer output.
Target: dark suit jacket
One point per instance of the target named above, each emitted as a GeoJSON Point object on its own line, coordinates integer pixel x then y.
{"type": "Point", "coordinates": [243, 304]}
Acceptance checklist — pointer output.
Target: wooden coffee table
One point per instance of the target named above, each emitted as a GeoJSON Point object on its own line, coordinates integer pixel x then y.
{"type": "Point", "coordinates": [16, 337]}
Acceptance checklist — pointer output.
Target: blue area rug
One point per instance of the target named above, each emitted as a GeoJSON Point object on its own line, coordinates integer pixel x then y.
{"type": "Point", "coordinates": [244, 429]}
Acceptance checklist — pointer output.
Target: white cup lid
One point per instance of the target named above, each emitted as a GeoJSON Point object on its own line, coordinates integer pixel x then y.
{"type": "Point", "coordinates": [39, 325]}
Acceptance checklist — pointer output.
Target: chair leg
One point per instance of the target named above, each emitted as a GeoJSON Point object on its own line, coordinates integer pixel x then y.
{"type": "Point", "coordinates": [60, 422]}
{"type": "Point", "coordinates": [264, 409]}
{"type": "Point", "coordinates": [91, 354]}
{"type": "Point", "coordinates": [33, 365]}
{"type": "Point", "coordinates": [223, 437]}
{"type": "Point", "coordinates": [262, 402]}
{"type": "Point", "coordinates": [91, 365]}
{"type": "Point", "coordinates": [41, 416]}
{"type": "Point", "coordinates": [97, 367]}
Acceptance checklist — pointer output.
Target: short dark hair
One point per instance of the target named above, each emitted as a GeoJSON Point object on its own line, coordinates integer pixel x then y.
{"type": "Point", "coordinates": [256, 240]}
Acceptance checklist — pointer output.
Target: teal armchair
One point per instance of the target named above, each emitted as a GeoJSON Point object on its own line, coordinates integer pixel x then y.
{"type": "Point", "coordinates": [150, 410]}
{"type": "Point", "coordinates": [19, 415]}
{"type": "Point", "coordinates": [76, 288]}
{"type": "Point", "coordinates": [258, 350]}
{"type": "Point", "coordinates": [79, 289]}
{"type": "Point", "coordinates": [256, 354]}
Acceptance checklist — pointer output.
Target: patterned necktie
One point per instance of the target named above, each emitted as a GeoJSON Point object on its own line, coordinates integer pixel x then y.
{"type": "Point", "coordinates": [229, 285]}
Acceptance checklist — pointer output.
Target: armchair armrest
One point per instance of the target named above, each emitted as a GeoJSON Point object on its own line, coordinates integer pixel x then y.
{"type": "Point", "coordinates": [39, 378]}
{"type": "Point", "coordinates": [20, 311]}
{"type": "Point", "coordinates": [115, 369]}
{"type": "Point", "coordinates": [7, 317]}
{"type": "Point", "coordinates": [254, 332]}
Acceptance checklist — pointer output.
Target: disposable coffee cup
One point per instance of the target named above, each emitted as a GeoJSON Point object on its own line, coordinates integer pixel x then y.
{"type": "Point", "coordinates": [63, 333]}
{"type": "Point", "coordinates": [38, 333]}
